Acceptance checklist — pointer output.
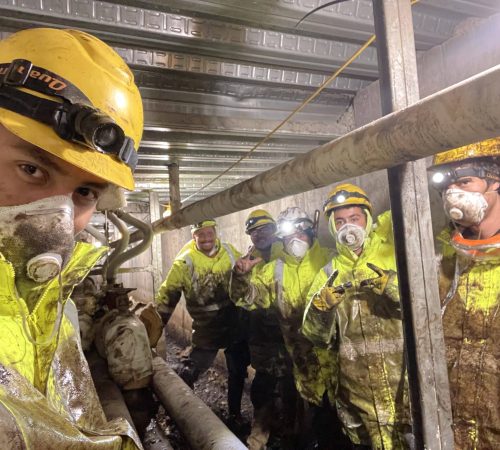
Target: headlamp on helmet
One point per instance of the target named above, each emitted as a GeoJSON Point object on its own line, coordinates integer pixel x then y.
{"type": "Point", "coordinates": [444, 175]}
{"type": "Point", "coordinates": [289, 227]}
{"type": "Point", "coordinates": [346, 195]}
{"type": "Point", "coordinates": [71, 118]}
{"type": "Point", "coordinates": [203, 224]}
{"type": "Point", "coordinates": [257, 219]}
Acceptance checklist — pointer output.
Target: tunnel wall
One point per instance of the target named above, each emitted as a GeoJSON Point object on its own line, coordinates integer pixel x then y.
{"type": "Point", "coordinates": [474, 49]}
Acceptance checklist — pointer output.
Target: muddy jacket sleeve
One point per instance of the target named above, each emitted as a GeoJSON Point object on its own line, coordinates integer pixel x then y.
{"type": "Point", "coordinates": [171, 290]}
{"type": "Point", "coordinates": [318, 325]}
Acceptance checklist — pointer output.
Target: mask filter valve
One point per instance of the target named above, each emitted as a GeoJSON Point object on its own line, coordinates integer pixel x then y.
{"type": "Point", "coordinates": [44, 267]}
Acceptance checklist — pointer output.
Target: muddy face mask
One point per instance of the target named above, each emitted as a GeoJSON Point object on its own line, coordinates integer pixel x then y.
{"type": "Point", "coordinates": [463, 207]}
{"type": "Point", "coordinates": [297, 247]}
{"type": "Point", "coordinates": [38, 237]}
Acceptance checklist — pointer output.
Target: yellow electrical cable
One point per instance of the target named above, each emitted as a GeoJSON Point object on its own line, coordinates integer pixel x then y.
{"type": "Point", "coordinates": [295, 111]}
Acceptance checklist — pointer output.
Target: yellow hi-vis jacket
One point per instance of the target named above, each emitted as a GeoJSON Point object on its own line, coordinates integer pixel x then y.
{"type": "Point", "coordinates": [365, 331]}
{"type": "Point", "coordinates": [47, 397]}
{"type": "Point", "coordinates": [204, 280]}
{"type": "Point", "coordinates": [268, 353]}
{"type": "Point", "coordinates": [471, 325]}
{"type": "Point", "coordinates": [283, 284]}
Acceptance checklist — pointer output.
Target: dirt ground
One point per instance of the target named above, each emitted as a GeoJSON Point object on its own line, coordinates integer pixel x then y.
{"type": "Point", "coordinates": [212, 389]}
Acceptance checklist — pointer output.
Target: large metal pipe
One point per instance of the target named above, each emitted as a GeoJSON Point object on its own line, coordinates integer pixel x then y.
{"type": "Point", "coordinates": [201, 427]}
{"type": "Point", "coordinates": [109, 393]}
{"type": "Point", "coordinates": [174, 187]}
{"type": "Point", "coordinates": [461, 114]}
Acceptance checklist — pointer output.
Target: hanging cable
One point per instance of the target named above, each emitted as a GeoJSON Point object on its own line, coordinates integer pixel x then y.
{"type": "Point", "coordinates": [287, 118]}
{"type": "Point", "coordinates": [295, 111]}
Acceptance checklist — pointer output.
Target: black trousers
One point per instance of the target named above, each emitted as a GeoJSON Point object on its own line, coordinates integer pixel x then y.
{"type": "Point", "coordinates": [237, 360]}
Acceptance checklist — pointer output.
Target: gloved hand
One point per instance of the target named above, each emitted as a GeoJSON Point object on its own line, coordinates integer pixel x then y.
{"type": "Point", "coordinates": [329, 296]}
{"type": "Point", "coordinates": [384, 283]}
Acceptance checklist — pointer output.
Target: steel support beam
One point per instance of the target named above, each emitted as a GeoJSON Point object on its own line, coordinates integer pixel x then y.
{"type": "Point", "coordinates": [425, 355]}
{"type": "Point", "coordinates": [174, 187]}
{"type": "Point", "coordinates": [156, 253]}
{"type": "Point", "coordinates": [461, 114]}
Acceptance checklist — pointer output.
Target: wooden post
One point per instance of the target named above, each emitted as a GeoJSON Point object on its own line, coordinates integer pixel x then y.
{"type": "Point", "coordinates": [425, 352]}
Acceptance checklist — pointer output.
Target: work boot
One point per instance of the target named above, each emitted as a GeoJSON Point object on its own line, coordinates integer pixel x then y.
{"type": "Point", "coordinates": [238, 425]}
{"type": "Point", "coordinates": [188, 373]}
{"type": "Point", "coordinates": [260, 430]}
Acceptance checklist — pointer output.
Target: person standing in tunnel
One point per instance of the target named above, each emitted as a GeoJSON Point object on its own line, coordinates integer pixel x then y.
{"type": "Point", "coordinates": [273, 391]}
{"type": "Point", "coordinates": [201, 271]}
{"type": "Point", "coordinates": [469, 180]}
{"type": "Point", "coordinates": [283, 284]}
{"type": "Point", "coordinates": [355, 311]}
{"type": "Point", "coordinates": [70, 125]}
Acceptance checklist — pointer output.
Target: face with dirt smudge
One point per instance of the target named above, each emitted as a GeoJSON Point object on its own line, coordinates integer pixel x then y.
{"type": "Point", "coordinates": [205, 240]}
{"type": "Point", "coordinates": [28, 173]}
{"type": "Point", "coordinates": [264, 236]}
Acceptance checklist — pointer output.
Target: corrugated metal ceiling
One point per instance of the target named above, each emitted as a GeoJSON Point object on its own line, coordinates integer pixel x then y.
{"type": "Point", "coordinates": [217, 75]}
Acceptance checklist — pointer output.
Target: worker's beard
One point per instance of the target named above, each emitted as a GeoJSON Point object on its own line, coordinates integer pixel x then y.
{"type": "Point", "coordinates": [38, 238]}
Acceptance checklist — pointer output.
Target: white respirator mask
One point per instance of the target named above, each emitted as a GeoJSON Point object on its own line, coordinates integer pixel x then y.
{"type": "Point", "coordinates": [463, 207]}
{"type": "Point", "coordinates": [352, 236]}
{"type": "Point", "coordinates": [38, 238]}
{"type": "Point", "coordinates": [297, 247]}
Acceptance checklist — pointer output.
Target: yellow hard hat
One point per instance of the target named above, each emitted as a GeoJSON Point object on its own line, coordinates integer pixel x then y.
{"type": "Point", "coordinates": [72, 95]}
{"type": "Point", "coordinates": [346, 195]}
{"type": "Point", "coordinates": [489, 147]}
{"type": "Point", "coordinates": [481, 159]}
{"type": "Point", "coordinates": [258, 218]}
{"type": "Point", "coordinates": [203, 224]}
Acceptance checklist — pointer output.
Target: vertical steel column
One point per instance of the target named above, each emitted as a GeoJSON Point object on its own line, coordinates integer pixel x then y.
{"type": "Point", "coordinates": [173, 187]}
{"type": "Point", "coordinates": [426, 362]}
{"type": "Point", "coordinates": [156, 254]}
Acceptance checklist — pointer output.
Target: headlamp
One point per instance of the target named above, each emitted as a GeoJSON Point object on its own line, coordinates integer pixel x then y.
{"type": "Point", "coordinates": [72, 119]}
{"type": "Point", "coordinates": [253, 220]}
{"type": "Point", "coordinates": [289, 227]}
{"type": "Point", "coordinates": [441, 179]}
{"type": "Point", "coordinates": [342, 196]}
{"type": "Point", "coordinates": [203, 224]}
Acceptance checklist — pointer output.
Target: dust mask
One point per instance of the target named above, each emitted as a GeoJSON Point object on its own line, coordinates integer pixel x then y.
{"type": "Point", "coordinates": [38, 238]}
{"type": "Point", "coordinates": [297, 247]}
{"type": "Point", "coordinates": [466, 208]}
{"type": "Point", "coordinates": [351, 235]}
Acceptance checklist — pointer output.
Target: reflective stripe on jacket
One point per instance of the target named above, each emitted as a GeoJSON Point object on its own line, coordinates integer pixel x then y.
{"type": "Point", "coordinates": [471, 323]}
{"type": "Point", "coordinates": [204, 282]}
{"type": "Point", "coordinates": [284, 284]}
{"type": "Point", "coordinates": [47, 397]}
{"type": "Point", "coordinates": [365, 330]}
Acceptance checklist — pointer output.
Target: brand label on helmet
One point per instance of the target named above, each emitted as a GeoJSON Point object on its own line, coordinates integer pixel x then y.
{"type": "Point", "coordinates": [21, 72]}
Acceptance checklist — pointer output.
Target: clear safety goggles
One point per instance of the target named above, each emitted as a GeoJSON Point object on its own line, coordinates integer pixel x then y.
{"type": "Point", "coordinates": [72, 119]}
{"type": "Point", "coordinates": [289, 227]}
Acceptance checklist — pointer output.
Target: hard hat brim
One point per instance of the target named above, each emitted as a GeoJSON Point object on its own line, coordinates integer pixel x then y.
{"type": "Point", "coordinates": [91, 161]}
